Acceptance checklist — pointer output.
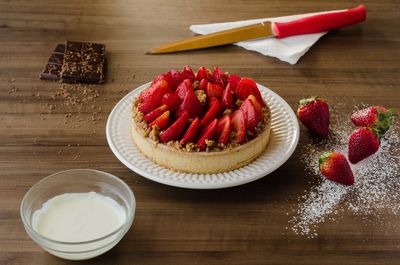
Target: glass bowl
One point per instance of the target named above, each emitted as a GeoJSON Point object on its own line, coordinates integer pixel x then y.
{"type": "Point", "coordinates": [71, 181]}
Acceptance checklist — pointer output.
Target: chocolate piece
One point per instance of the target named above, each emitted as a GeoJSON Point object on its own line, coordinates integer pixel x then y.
{"type": "Point", "coordinates": [60, 49]}
{"type": "Point", "coordinates": [51, 72]}
{"type": "Point", "coordinates": [53, 67]}
{"type": "Point", "coordinates": [83, 62]}
{"type": "Point", "coordinates": [56, 59]}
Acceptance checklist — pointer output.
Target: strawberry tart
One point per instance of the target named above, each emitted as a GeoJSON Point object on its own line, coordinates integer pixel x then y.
{"type": "Point", "coordinates": [209, 122]}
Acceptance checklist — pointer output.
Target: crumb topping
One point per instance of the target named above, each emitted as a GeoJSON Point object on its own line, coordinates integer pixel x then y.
{"type": "Point", "coordinates": [201, 95]}
{"type": "Point", "coordinates": [154, 133]}
{"type": "Point", "coordinates": [227, 112]}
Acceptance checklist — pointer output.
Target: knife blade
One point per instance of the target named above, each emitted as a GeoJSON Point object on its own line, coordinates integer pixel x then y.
{"type": "Point", "coordinates": [266, 29]}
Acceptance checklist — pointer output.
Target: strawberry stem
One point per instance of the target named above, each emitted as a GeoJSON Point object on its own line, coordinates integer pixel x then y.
{"type": "Point", "coordinates": [305, 101]}
{"type": "Point", "coordinates": [384, 121]}
{"type": "Point", "coordinates": [324, 156]}
{"type": "Point", "coordinates": [377, 131]}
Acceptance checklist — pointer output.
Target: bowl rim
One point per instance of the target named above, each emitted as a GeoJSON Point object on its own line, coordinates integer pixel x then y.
{"type": "Point", "coordinates": [40, 237]}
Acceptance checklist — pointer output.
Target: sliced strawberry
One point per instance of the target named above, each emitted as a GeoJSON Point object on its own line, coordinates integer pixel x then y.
{"type": "Point", "coordinates": [161, 121]}
{"type": "Point", "coordinates": [234, 80]}
{"type": "Point", "coordinates": [191, 132]}
{"type": "Point", "coordinates": [148, 105]}
{"type": "Point", "coordinates": [203, 84]}
{"type": "Point", "coordinates": [213, 111]}
{"type": "Point", "coordinates": [214, 90]}
{"type": "Point", "coordinates": [227, 98]}
{"type": "Point", "coordinates": [208, 133]}
{"type": "Point", "coordinates": [156, 90]}
{"type": "Point", "coordinates": [224, 129]}
{"type": "Point", "coordinates": [250, 115]}
{"type": "Point", "coordinates": [176, 129]}
{"type": "Point", "coordinates": [257, 106]}
{"type": "Point", "coordinates": [191, 104]}
{"type": "Point", "coordinates": [187, 73]}
{"type": "Point", "coordinates": [218, 77]}
{"type": "Point", "coordinates": [151, 116]}
{"type": "Point", "coordinates": [175, 77]}
{"type": "Point", "coordinates": [243, 90]}
{"type": "Point", "coordinates": [172, 100]}
{"type": "Point", "coordinates": [238, 127]}
{"type": "Point", "coordinates": [164, 77]}
{"type": "Point", "coordinates": [212, 101]}
{"type": "Point", "coordinates": [203, 73]}
{"type": "Point", "coordinates": [246, 87]}
{"type": "Point", "coordinates": [183, 88]}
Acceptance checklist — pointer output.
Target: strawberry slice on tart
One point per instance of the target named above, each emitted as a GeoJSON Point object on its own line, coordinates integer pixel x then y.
{"type": "Point", "coordinates": [191, 104]}
{"type": "Point", "coordinates": [203, 73]}
{"type": "Point", "coordinates": [175, 78]}
{"type": "Point", "coordinates": [250, 116]}
{"type": "Point", "coordinates": [190, 134]}
{"type": "Point", "coordinates": [203, 84]}
{"type": "Point", "coordinates": [183, 88]}
{"type": "Point", "coordinates": [207, 134]}
{"type": "Point", "coordinates": [224, 129]}
{"type": "Point", "coordinates": [161, 122]}
{"type": "Point", "coordinates": [218, 77]}
{"type": "Point", "coordinates": [213, 111]}
{"type": "Point", "coordinates": [176, 129]}
{"type": "Point", "coordinates": [151, 116]}
{"type": "Point", "coordinates": [234, 81]}
{"type": "Point", "coordinates": [238, 134]}
{"type": "Point", "coordinates": [187, 73]}
{"type": "Point", "coordinates": [206, 122]}
{"type": "Point", "coordinates": [227, 97]}
{"type": "Point", "coordinates": [214, 90]}
{"type": "Point", "coordinates": [172, 101]}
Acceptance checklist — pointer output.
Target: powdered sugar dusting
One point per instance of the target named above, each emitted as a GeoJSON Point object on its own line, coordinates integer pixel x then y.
{"type": "Point", "coordinates": [377, 181]}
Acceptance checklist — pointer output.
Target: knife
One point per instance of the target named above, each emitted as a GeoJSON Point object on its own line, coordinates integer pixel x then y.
{"type": "Point", "coordinates": [308, 25]}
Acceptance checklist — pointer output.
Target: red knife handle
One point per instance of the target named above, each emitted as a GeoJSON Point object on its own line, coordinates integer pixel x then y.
{"type": "Point", "coordinates": [319, 23]}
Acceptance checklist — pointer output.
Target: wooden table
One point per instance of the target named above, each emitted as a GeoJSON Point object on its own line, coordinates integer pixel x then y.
{"type": "Point", "coordinates": [241, 225]}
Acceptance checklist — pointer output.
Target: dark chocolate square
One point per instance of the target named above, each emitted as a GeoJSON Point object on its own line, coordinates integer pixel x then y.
{"type": "Point", "coordinates": [51, 72]}
{"type": "Point", "coordinates": [60, 49]}
{"type": "Point", "coordinates": [56, 59]}
{"type": "Point", "coordinates": [83, 62]}
{"type": "Point", "coordinates": [53, 67]}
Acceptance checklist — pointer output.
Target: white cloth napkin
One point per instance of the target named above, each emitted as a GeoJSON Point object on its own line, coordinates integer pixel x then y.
{"type": "Point", "coordinates": [289, 49]}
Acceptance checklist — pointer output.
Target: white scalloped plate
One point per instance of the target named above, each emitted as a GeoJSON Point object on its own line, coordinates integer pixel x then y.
{"type": "Point", "coordinates": [283, 141]}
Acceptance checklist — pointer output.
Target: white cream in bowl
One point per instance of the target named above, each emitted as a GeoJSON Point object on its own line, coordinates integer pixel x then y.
{"type": "Point", "coordinates": [78, 217]}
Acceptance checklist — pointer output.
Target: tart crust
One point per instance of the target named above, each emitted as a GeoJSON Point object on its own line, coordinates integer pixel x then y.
{"type": "Point", "coordinates": [202, 162]}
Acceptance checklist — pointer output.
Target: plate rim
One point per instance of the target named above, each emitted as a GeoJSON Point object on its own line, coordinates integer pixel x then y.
{"type": "Point", "coordinates": [188, 185]}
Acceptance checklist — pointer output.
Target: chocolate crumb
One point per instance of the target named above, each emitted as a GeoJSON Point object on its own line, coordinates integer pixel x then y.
{"type": "Point", "coordinates": [12, 90]}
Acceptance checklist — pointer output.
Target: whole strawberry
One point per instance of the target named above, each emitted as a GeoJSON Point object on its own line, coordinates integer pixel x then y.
{"type": "Point", "coordinates": [314, 114]}
{"type": "Point", "coordinates": [363, 142]}
{"type": "Point", "coordinates": [335, 167]}
{"type": "Point", "coordinates": [375, 116]}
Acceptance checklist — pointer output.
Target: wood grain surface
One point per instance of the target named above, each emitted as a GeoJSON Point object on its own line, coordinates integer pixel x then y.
{"type": "Point", "coordinates": [241, 225]}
